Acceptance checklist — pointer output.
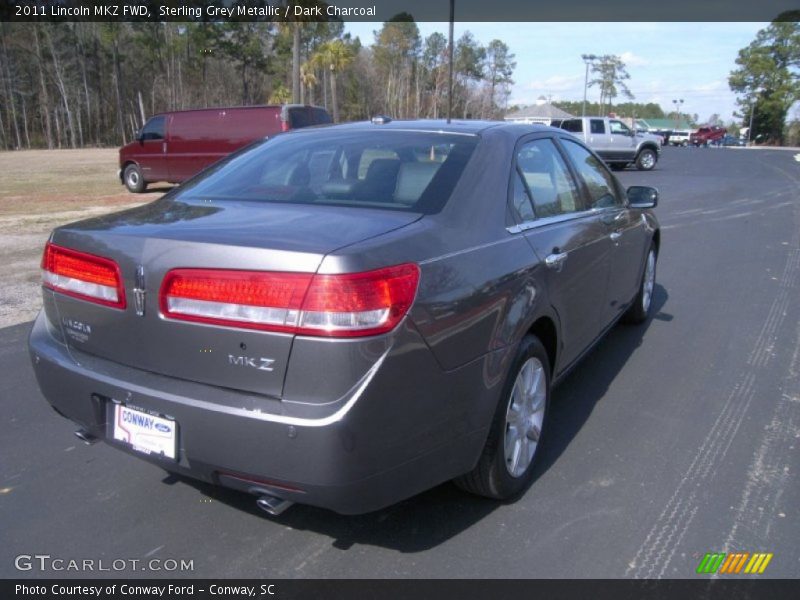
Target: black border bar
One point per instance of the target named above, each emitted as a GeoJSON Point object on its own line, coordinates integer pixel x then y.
{"type": "Point", "coordinates": [382, 10]}
{"type": "Point", "coordinates": [408, 589]}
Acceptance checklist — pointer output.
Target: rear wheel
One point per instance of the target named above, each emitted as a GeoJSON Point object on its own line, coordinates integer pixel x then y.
{"type": "Point", "coordinates": [505, 467]}
{"type": "Point", "coordinates": [640, 309]}
{"type": "Point", "coordinates": [646, 159]}
{"type": "Point", "coordinates": [133, 179]}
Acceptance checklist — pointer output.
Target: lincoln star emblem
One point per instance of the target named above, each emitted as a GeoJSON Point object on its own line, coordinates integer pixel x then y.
{"type": "Point", "coordinates": [139, 292]}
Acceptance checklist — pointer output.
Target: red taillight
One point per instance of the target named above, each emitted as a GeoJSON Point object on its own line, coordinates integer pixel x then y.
{"type": "Point", "coordinates": [285, 126]}
{"type": "Point", "coordinates": [81, 275]}
{"type": "Point", "coordinates": [349, 305]}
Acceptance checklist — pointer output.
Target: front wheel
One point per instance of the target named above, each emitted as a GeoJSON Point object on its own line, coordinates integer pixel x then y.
{"type": "Point", "coordinates": [134, 180]}
{"type": "Point", "coordinates": [640, 309]}
{"type": "Point", "coordinates": [505, 467]}
{"type": "Point", "coordinates": [646, 160]}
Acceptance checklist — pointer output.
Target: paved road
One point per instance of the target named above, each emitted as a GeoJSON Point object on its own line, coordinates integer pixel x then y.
{"type": "Point", "coordinates": [672, 440]}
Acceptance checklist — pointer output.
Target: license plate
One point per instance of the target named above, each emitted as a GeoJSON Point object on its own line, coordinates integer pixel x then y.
{"type": "Point", "coordinates": [144, 432]}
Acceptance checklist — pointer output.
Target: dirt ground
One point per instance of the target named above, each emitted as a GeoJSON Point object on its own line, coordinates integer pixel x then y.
{"type": "Point", "coordinates": [40, 190]}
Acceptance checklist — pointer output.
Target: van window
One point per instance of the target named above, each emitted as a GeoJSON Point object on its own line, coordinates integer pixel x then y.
{"type": "Point", "coordinates": [299, 117]}
{"type": "Point", "coordinates": [153, 129]}
{"type": "Point", "coordinates": [321, 116]}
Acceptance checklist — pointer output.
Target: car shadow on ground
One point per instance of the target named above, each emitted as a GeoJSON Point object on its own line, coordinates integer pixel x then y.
{"type": "Point", "coordinates": [433, 517]}
{"type": "Point", "coordinates": [576, 396]}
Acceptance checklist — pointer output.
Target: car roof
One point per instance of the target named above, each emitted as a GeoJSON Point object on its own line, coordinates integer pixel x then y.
{"type": "Point", "coordinates": [456, 126]}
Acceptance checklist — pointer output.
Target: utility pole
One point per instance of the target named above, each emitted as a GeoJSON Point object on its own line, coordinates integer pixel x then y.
{"type": "Point", "coordinates": [588, 59]}
{"type": "Point", "coordinates": [450, 60]}
{"type": "Point", "coordinates": [678, 104]}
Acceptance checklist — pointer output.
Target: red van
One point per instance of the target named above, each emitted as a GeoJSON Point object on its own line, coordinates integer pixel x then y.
{"type": "Point", "coordinates": [174, 146]}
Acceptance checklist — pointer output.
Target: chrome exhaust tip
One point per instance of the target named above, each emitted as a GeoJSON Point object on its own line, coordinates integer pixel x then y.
{"type": "Point", "coordinates": [272, 505]}
{"type": "Point", "coordinates": [86, 437]}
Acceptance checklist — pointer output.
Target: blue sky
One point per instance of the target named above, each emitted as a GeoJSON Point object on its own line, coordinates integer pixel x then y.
{"type": "Point", "coordinates": [666, 61]}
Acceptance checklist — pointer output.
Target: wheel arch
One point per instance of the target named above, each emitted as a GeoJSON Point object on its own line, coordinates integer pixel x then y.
{"type": "Point", "coordinates": [545, 329]}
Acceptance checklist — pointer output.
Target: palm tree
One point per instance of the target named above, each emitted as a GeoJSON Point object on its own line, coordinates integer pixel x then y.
{"type": "Point", "coordinates": [308, 80]}
{"type": "Point", "coordinates": [333, 55]}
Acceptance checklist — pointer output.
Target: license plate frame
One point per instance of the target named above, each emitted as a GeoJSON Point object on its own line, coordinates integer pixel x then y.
{"type": "Point", "coordinates": [144, 431]}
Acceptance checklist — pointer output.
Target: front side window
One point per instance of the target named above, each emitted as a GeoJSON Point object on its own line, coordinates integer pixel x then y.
{"type": "Point", "coordinates": [543, 177]}
{"type": "Point", "coordinates": [153, 129]}
{"type": "Point", "coordinates": [603, 192]}
{"type": "Point", "coordinates": [619, 128]}
{"type": "Point", "coordinates": [414, 171]}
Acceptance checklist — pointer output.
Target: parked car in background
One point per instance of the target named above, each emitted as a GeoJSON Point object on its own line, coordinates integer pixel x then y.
{"type": "Point", "coordinates": [175, 146]}
{"type": "Point", "coordinates": [679, 137]}
{"type": "Point", "coordinates": [732, 140]}
{"type": "Point", "coordinates": [614, 141]}
{"type": "Point", "coordinates": [707, 136]}
{"type": "Point", "coordinates": [347, 316]}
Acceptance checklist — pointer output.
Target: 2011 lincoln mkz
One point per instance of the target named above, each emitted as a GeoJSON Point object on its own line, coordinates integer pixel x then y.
{"type": "Point", "coordinates": [347, 316]}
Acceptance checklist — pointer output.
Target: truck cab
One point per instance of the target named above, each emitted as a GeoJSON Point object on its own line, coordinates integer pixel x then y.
{"type": "Point", "coordinates": [615, 142]}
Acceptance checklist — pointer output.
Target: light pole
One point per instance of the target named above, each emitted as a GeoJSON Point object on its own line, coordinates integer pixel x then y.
{"type": "Point", "coordinates": [678, 103]}
{"type": "Point", "coordinates": [588, 59]}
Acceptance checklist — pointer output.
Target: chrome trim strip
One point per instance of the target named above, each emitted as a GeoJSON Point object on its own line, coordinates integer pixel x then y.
{"type": "Point", "coordinates": [559, 219]}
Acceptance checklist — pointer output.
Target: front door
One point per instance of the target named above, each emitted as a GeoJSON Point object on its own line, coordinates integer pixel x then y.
{"type": "Point", "coordinates": [569, 240]}
{"type": "Point", "coordinates": [151, 150]}
{"type": "Point", "coordinates": [623, 227]}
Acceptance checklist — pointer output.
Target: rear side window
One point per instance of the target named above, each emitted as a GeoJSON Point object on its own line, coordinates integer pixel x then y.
{"type": "Point", "coordinates": [153, 129]}
{"type": "Point", "coordinates": [572, 125]}
{"type": "Point", "coordinates": [603, 191]}
{"type": "Point", "coordinates": [396, 170]}
{"type": "Point", "coordinates": [597, 126]}
{"type": "Point", "coordinates": [543, 178]}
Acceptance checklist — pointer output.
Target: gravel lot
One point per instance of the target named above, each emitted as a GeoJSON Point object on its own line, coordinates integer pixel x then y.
{"type": "Point", "coordinates": [40, 190]}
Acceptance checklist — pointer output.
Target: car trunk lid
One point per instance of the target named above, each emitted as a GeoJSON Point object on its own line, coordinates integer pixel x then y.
{"type": "Point", "coordinates": [148, 242]}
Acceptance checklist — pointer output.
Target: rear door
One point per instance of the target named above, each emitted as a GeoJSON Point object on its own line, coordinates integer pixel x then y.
{"type": "Point", "coordinates": [151, 150]}
{"type": "Point", "coordinates": [599, 138]}
{"type": "Point", "coordinates": [570, 240]}
{"type": "Point", "coordinates": [625, 230]}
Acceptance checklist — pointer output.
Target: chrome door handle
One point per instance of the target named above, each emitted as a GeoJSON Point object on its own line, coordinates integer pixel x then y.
{"type": "Point", "coordinates": [555, 261]}
{"type": "Point", "coordinates": [615, 235]}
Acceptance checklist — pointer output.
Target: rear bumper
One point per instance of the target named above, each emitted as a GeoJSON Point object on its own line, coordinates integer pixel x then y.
{"type": "Point", "coordinates": [374, 447]}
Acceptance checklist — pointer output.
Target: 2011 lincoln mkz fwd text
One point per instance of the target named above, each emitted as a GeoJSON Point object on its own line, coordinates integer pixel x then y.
{"type": "Point", "coordinates": [346, 316]}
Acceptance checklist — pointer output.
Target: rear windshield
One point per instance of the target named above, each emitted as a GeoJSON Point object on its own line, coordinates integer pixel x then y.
{"type": "Point", "coordinates": [397, 170]}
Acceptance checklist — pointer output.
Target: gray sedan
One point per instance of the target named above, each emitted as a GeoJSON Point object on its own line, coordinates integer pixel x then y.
{"type": "Point", "coordinates": [347, 316]}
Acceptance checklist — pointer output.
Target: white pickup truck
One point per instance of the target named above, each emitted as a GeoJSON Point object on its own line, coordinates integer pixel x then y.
{"type": "Point", "coordinates": [614, 141]}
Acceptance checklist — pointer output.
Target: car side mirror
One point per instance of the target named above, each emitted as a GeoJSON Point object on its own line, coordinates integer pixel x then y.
{"type": "Point", "coordinates": [642, 196]}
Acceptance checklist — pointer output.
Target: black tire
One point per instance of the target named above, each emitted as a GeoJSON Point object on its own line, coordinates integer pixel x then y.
{"type": "Point", "coordinates": [491, 477]}
{"type": "Point", "coordinates": [643, 303]}
{"type": "Point", "coordinates": [134, 181]}
{"type": "Point", "coordinates": [646, 159]}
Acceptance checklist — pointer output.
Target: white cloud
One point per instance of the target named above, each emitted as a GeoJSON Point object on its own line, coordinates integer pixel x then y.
{"type": "Point", "coordinates": [632, 60]}
{"type": "Point", "coordinates": [555, 83]}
